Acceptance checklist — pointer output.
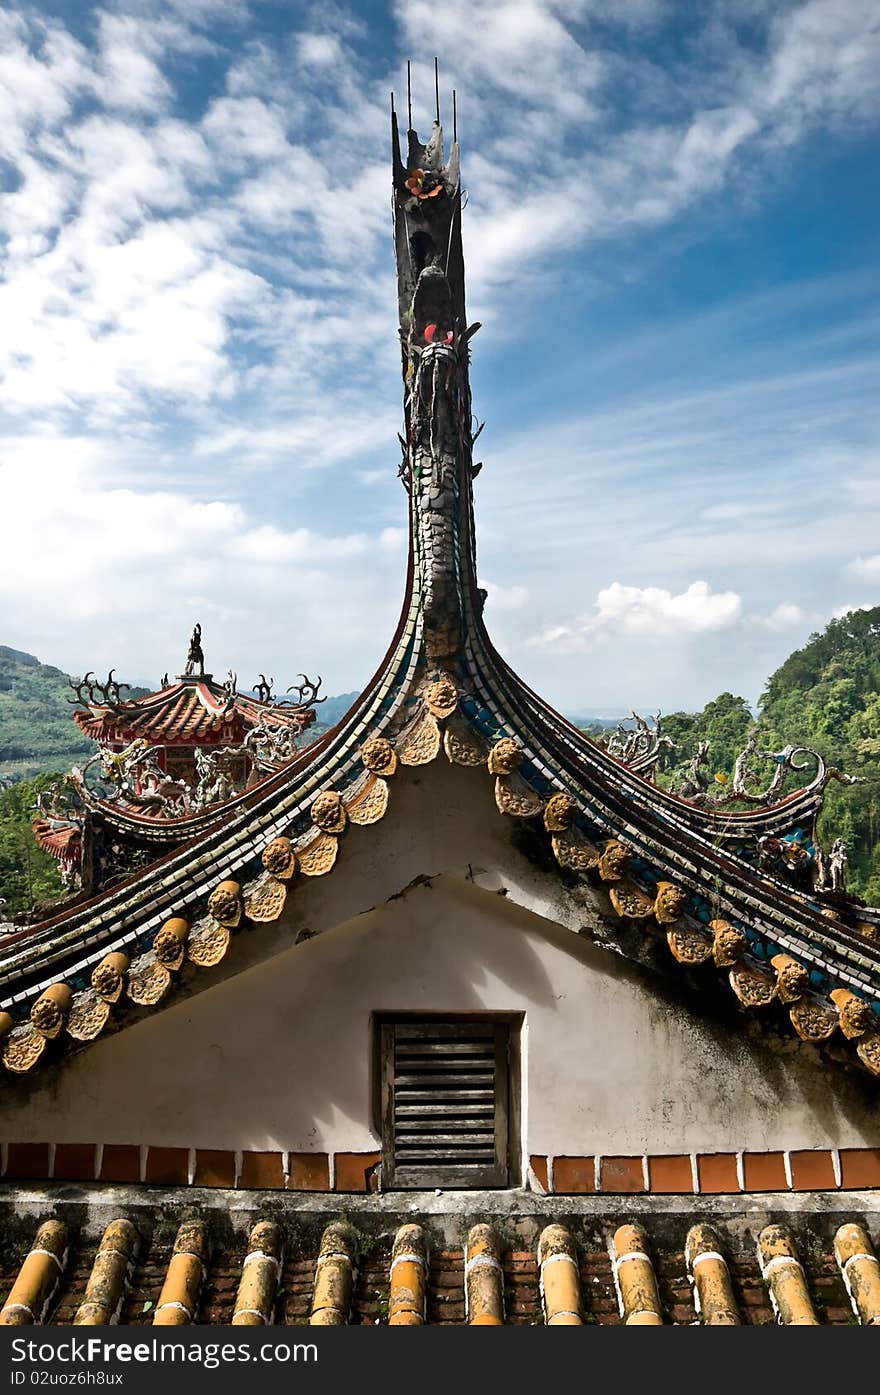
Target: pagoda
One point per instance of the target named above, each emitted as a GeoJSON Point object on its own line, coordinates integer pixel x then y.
{"type": "Point", "coordinates": [162, 757]}
{"type": "Point", "coordinates": [194, 712]}
{"type": "Point", "coordinates": [456, 953]}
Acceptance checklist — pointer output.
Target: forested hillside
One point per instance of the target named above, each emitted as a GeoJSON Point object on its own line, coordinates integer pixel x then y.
{"type": "Point", "coordinates": [36, 727]}
{"type": "Point", "coordinates": [827, 696]}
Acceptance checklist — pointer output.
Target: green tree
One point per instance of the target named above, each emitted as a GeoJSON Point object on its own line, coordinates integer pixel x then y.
{"type": "Point", "coordinates": [827, 696]}
{"type": "Point", "coordinates": [28, 875]}
{"type": "Point", "coordinates": [724, 723]}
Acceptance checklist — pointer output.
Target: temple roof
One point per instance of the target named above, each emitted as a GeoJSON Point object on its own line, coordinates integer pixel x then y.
{"type": "Point", "coordinates": [56, 838]}
{"type": "Point", "coordinates": [188, 711]}
{"type": "Point", "coordinates": [700, 877]}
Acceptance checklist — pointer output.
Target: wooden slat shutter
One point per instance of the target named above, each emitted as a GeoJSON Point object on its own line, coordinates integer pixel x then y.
{"type": "Point", "coordinates": [444, 1104]}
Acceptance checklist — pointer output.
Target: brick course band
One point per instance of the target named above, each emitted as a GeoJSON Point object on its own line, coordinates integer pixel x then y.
{"type": "Point", "coordinates": [819, 1169]}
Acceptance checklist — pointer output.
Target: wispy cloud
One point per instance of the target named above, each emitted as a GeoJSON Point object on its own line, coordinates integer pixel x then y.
{"type": "Point", "coordinates": [261, 592]}
{"type": "Point", "coordinates": [786, 616]}
{"type": "Point", "coordinates": [865, 568]}
{"type": "Point", "coordinates": [580, 171]}
{"type": "Point", "coordinates": [199, 338]}
{"type": "Point", "coordinates": [504, 597]}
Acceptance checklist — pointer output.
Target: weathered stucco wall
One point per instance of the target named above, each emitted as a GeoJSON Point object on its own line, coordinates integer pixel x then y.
{"type": "Point", "coordinates": [280, 1056]}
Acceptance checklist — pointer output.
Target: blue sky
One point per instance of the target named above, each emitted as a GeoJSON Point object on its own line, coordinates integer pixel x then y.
{"type": "Point", "coordinates": [671, 238]}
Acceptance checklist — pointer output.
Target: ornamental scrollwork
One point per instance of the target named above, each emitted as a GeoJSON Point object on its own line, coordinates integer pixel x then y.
{"type": "Point", "coordinates": [639, 745]}
{"type": "Point", "coordinates": [268, 746]}
{"type": "Point", "coordinates": [751, 782]}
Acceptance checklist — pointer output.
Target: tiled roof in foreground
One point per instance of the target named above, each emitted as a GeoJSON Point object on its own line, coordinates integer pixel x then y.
{"type": "Point", "coordinates": [137, 1256]}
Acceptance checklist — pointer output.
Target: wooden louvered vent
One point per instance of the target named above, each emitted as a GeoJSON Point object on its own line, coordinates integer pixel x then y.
{"type": "Point", "coordinates": [444, 1104]}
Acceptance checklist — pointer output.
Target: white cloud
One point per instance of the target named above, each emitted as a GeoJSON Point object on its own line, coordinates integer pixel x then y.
{"type": "Point", "coordinates": [198, 308]}
{"type": "Point", "coordinates": [306, 438]}
{"type": "Point", "coordinates": [245, 129]}
{"type": "Point", "coordinates": [589, 176]}
{"type": "Point", "coordinates": [785, 616]}
{"type": "Point", "coordinates": [109, 187]}
{"type": "Point", "coordinates": [320, 50]}
{"type": "Point", "coordinates": [525, 50]}
{"type": "Point", "coordinates": [847, 609]}
{"type": "Point", "coordinates": [653, 610]}
{"type": "Point", "coordinates": [504, 597]}
{"type": "Point", "coordinates": [116, 575]}
{"type": "Point", "coordinates": [649, 611]}
{"type": "Point", "coordinates": [393, 540]}
{"type": "Point", "coordinates": [265, 544]}
{"type": "Point", "coordinates": [863, 489]}
{"type": "Point", "coordinates": [725, 513]}
{"type": "Point", "coordinates": [865, 568]}
{"type": "Point", "coordinates": [130, 76]}
{"type": "Point", "coordinates": [39, 82]}
{"type": "Point", "coordinates": [825, 59]}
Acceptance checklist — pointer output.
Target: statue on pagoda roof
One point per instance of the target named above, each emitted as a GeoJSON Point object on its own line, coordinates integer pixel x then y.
{"type": "Point", "coordinates": [195, 654]}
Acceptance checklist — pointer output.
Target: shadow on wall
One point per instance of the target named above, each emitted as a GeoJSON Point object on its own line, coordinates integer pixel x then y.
{"type": "Point", "coordinates": [280, 1055]}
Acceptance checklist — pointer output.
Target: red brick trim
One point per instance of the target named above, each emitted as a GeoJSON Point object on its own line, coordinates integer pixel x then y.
{"type": "Point", "coordinates": [717, 1172]}
{"type": "Point", "coordinates": [574, 1174]}
{"type": "Point", "coordinates": [75, 1162]}
{"type": "Point", "coordinates": [308, 1172]}
{"type": "Point", "coordinates": [764, 1172]}
{"type": "Point", "coordinates": [804, 1169]}
{"type": "Point", "coordinates": [262, 1171]}
{"type": "Point", "coordinates": [538, 1164]}
{"type": "Point", "coordinates": [812, 1171]}
{"type": "Point", "coordinates": [801, 1170]}
{"type": "Point", "coordinates": [672, 1174]}
{"type": "Point", "coordinates": [120, 1162]}
{"type": "Point", "coordinates": [215, 1167]}
{"type": "Point", "coordinates": [622, 1175]}
{"type": "Point", "coordinates": [167, 1167]}
{"type": "Point", "coordinates": [351, 1171]}
{"type": "Point", "coordinates": [24, 1160]}
{"type": "Point", "coordinates": [860, 1167]}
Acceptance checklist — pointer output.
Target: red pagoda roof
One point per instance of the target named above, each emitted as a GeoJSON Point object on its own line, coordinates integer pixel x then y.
{"type": "Point", "coordinates": [189, 711]}
{"type": "Point", "coordinates": [57, 839]}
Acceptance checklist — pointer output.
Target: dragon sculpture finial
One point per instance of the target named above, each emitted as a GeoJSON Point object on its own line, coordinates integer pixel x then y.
{"type": "Point", "coordinates": [748, 785]}
{"type": "Point", "coordinates": [91, 693]}
{"type": "Point", "coordinates": [306, 693]}
{"type": "Point", "coordinates": [263, 689]}
{"type": "Point", "coordinates": [437, 464]}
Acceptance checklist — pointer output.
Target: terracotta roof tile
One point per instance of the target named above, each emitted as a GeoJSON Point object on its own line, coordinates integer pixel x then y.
{"type": "Point", "coordinates": [587, 1267]}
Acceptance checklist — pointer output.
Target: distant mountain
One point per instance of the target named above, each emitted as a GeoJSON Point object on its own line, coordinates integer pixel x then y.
{"type": "Point", "coordinates": [328, 713]}
{"type": "Point", "coordinates": [596, 717]}
{"type": "Point", "coordinates": [37, 730]}
{"type": "Point", "coordinates": [36, 727]}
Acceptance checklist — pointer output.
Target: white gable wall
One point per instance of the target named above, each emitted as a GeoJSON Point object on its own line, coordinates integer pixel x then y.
{"type": "Point", "coordinates": [280, 1056]}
